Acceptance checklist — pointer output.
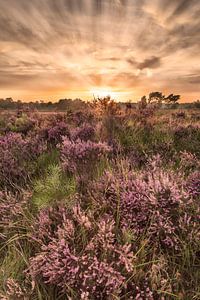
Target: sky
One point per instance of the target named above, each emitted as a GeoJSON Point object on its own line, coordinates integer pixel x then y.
{"type": "Point", "coordinates": [52, 49]}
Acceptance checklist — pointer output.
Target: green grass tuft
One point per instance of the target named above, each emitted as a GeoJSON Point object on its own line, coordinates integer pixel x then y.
{"type": "Point", "coordinates": [54, 186]}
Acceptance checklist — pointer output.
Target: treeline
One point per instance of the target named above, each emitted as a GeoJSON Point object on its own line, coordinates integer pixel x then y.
{"type": "Point", "coordinates": [61, 105]}
{"type": "Point", "coordinates": [78, 104]}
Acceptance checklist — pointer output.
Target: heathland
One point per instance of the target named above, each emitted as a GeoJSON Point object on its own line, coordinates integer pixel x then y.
{"type": "Point", "coordinates": [101, 202]}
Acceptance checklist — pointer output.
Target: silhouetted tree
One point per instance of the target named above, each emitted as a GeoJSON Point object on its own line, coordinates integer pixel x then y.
{"type": "Point", "coordinates": [157, 97]}
{"type": "Point", "coordinates": [171, 99]}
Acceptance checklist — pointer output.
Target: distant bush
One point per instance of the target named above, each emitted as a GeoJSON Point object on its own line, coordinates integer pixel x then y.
{"type": "Point", "coordinates": [19, 124]}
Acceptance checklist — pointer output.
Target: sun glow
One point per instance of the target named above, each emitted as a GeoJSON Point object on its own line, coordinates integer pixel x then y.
{"type": "Point", "coordinates": [103, 92]}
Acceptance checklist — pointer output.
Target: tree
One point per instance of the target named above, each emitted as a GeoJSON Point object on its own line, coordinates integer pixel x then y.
{"type": "Point", "coordinates": [172, 99]}
{"type": "Point", "coordinates": [156, 97]}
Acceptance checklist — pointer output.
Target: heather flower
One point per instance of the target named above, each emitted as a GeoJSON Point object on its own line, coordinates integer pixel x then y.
{"type": "Point", "coordinates": [84, 133]}
{"type": "Point", "coordinates": [81, 158]}
{"type": "Point", "coordinates": [95, 267]}
{"type": "Point", "coordinates": [16, 290]}
{"type": "Point", "coordinates": [81, 217]}
{"type": "Point", "coordinates": [189, 161]}
{"type": "Point", "coordinates": [17, 155]}
{"type": "Point", "coordinates": [10, 207]}
{"type": "Point", "coordinates": [144, 293]}
{"type": "Point", "coordinates": [56, 132]}
{"type": "Point", "coordinates": [193, 185]}
{"type": "Point", "coordinates": [150, 202]}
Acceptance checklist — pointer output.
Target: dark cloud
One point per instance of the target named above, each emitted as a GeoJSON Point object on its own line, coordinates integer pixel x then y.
{"type": "Point", "coordinates": [153, 62]}
{"type": "Point", "coordinates": [132, 61]}
{"type": "Point", "coordinates": [193, 79]}
{"type": "Point", "coordinates": [183, 5]}
{"type": "Point", "coordinates": [110, 59]}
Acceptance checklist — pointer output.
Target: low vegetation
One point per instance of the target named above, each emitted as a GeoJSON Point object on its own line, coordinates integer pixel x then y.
{"type": "Point", "coordinates": [102, 203]}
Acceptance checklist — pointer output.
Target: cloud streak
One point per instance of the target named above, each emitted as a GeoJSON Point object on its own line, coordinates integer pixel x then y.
{"type": "Point", "coordinates": [68, 47]}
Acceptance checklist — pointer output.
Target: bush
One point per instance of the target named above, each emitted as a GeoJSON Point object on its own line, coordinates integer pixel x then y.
{"type": "Point", "coordinates": [84, 261]}
{"type": "Point", "coordinates": [151, 202]}
{"type": "Point", "coordinates": [53, 133]}
{"type": "Point", "coordinates": [17, 157]}
{"type": "Point", "coordinates": [81, 158]}
{"type": "Point", "coordinates": [84, 133]}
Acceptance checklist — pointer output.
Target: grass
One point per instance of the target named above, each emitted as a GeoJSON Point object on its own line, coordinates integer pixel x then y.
{"type": "Point", "coordinates": [171, 274]}
{"type": "Point", "coordinates": [54, 186]}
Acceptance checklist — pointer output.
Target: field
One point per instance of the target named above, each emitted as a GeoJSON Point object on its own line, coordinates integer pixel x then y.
{"type": "Point", "coordinates": [100, 204]}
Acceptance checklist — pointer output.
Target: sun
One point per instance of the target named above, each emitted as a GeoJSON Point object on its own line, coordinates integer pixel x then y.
{"type": "Point", "coordinates": [103, 92]}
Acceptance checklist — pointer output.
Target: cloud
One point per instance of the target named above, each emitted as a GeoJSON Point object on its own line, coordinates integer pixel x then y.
{"type": "Point", "coordinates": [150, 63]}
{"type": "Point", "coordinates": [77, 44]}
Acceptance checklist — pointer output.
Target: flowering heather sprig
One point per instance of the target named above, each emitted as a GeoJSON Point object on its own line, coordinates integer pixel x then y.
{"type": "Point", "coordinates": [80, 157]}
{"type": "Point", "coordinates": [14, 290]}
{"type": "Point", "coordinates": [56, 132]}
{"type": "Point", "coordinates": [10, 207]}
{"type": "Point", "coordinates": [16, 156]}
{"type": "Point", "coordinates": [94, 267]}
{"type": "Point", "coordinates": [189, 161]}
{"type": "Point", "coordinates": [193, 185]}
{"type": "Point", "coordinates": [154, 163]}
{"type": "Point", "coordinates": [144, 293]}
{"type": "Point", "coordinates": [78, 118]}
{"type": "Point", "coordinates": [85, 132]}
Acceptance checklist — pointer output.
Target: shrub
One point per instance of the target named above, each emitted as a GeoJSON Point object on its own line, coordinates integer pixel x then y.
{"type": "Point", "coordinates": [189, 161]}
{"type": "Point", "coordinates": [187, 138]}
{"type": "Point", "coordinates": [54, 132]}
{"type": "Point", "coordinates": [17, 155]}
{"type": "Point", "coordinates": [81, 257]}
{"type": "Point", "coordinates": [81, 158]}
{"type": "Point", "coordinates": [84, 133]}
{"type": "Point", "coordinates": [11, 207]}
{"type": "Point", "coordinates": [193, 184]}
{"type": "Point", "coordinates": [19, 124]}
{"type": "Point", "coordinates": [150, 202]}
